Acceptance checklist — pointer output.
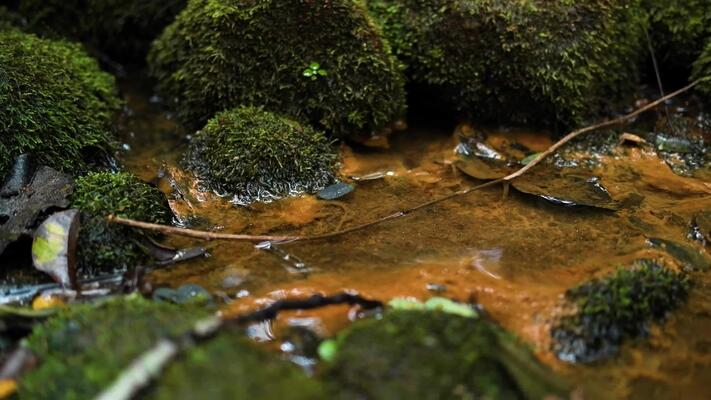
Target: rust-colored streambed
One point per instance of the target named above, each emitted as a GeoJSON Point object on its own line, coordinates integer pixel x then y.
{"type": "Point", "coordinates": [514, 256]}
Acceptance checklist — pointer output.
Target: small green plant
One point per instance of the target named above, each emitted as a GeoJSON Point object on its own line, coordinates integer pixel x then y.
{"type": "Point", "coordinates": [314, 70]}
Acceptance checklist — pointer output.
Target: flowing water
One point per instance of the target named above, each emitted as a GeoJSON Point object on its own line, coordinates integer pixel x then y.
{"type": "Point", "coordinates": [516, 256]}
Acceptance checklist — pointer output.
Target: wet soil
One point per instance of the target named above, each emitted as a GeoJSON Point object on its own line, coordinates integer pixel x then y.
{"type": "Point", "coordinates": [515, 256]}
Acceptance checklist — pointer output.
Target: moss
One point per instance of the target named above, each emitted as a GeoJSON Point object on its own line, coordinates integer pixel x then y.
{"type": "Point", "coordinates": [609, 310]}
{"type": "Point", "coordinates": [320, 61]}
{"type": "Point", "coordinates": [84, 349]}
{"type": "Point", "coordinates": [257, 155]}
{"type": "Point", "coordinates": [122, 29]}
{"type": "Point", "coordinates": [422, 354]}
{"type": "Point", "coordinates": [702, 70]}
{"type": "Point", "coordinates": [531, 61]}
{"type": "Point", "coordinates": [105, 247]}
{"type": "Point", "coordinates": [54, 102]}
{"type": "Point", "coordinates": [230, 367]}
{"type": "Point", "coordinates": [678, 29]}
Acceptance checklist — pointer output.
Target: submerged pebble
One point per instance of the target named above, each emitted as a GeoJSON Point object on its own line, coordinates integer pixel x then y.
{"type": "Point", "coordinates": [335, 191]}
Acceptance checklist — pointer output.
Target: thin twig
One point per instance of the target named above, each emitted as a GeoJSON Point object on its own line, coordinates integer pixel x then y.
{"type": "Point", "coordinates": [169, 230]}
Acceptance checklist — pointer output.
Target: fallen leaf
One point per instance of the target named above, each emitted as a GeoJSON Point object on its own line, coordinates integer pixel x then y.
{"type": "Point", "coordinates": [54, 247]}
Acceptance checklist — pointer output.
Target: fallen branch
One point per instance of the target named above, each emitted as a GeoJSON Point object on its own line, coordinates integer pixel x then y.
{"type": "Point", "coordinates": [204, 235]}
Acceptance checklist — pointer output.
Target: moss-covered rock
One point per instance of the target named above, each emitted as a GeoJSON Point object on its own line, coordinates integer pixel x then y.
{"type": "Point", "coordinates": [320, 61]}
{"type": "Point", "coordinates": [229, 367]}
{"type": "Point", "coordinates": [531, 61]}
{"type": "Point", "coordinates": [257, 155]}
{"type": "Point", "coordinates": [702, 71]}
{"type": "Point", "coordinates": [605, 312]}
{"type": "Point", "coordinates": [123, 29]}
{"type": "Point", "coordinates": [679, 29]}
{"type": "Point", "coordinates": [105, 247]}
{"type": "Point", "coordinates": [55, 102]}
{"type": "Point", "coordinates": [420, 354]}
{"type": "Point", "coordinates": [84, 349]}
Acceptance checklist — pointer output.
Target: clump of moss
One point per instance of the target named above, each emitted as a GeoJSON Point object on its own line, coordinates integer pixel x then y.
{"type": "Point", "coordinates": [320, 61]}
{"type": "Point", "coordinates": [122, 29]}
{"type": "Point", "coordinates": [257, 155]}
{"type": "Point", "coordinates": [609, 310]}
{"type": "Point", "coordinates": [679, 29]}
{"type": "Point", "coordinates": [702, 71]}
{"type": "Point", "coordinates": [531, 61]}
{"type": "Point", "coordinates": [423, 354]}
{"type": "Point", "coordinates": [84, 348]}
{"type": "Point", "coordinates": [105, 247]}
{"type": "Point", "coordinates": [229, 367]}
{"type": "Point", "coordinates": [55, 102]}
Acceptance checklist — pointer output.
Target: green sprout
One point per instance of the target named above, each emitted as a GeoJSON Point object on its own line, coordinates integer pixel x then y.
{"type": "Point", "coordinates": [314, 70]}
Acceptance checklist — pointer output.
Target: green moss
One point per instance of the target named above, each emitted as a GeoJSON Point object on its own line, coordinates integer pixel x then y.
{"type": "Point", "coordinates": [105, 247]}
{"type": "Point", "coordinates": [257, 155]}
{"type": "Point", "coordinates": [230, 367]}
{"type": "Point", "coordinates": [702, 70]}
{"type": "Point", "coordinates": [123, 29]}
{"type": "Point", "coordinates": [84, 349]}
{"type": "Point", "coordinates": [418, 354]}
{"type": "Point", "coordinates": [678, 29]}
{"type": "Point", "coordinates": [609, 310]}
{"type": "Point", "coordinates": [530, 61]}
{"type": "Point", "coordinates": [54, 102]}
{"type": "Point", "coordinates": [220, 54]}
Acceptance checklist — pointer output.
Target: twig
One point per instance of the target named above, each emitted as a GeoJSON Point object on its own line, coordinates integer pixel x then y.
{"type": "Point", "coordinates": [149, 366]}
{"type": "Point", "coordinates": [169, 230]}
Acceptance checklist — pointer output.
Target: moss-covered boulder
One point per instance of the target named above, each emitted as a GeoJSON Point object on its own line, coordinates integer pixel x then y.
{"type": "Point", "coordinates": [104, 247]}
{"type": "Point", "coordinates": [531, 61]}
{"type": "Point", "coordinates": [253, 155]}
{"type": "Point", "coordinates": [122, 29]}
{"type": "Point", "coordinates": [422, 354]}
{"type": "Point", "coordinates": [55, 103]}
{"type": "Point", "coordinates": [702, 71]}
{"type": "Point", "coordinates": [679, 29]}
{"type": "Point", "coordinates": [603, 313]}
{"type": "Point", "coordinates": [84, 349]}
{"type": "Point", "coordinates": [230, 367]}
{"type": "Point", "coordinates": [320, 61]}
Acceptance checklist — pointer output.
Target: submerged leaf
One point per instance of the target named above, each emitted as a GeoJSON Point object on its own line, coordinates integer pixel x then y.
{"type": "Point", "coordinates": [54, 247]}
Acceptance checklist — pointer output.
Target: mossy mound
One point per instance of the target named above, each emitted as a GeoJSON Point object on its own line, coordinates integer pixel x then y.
{"type": "Point", "coordinates": [122, 29]}
{"type": "Point", "coordinates": [609, 310]}
{"type": "Point", "coordinates": [105, 247]}
{"type": "Point", "coordinates": [531, 61]}
{"type": "Point", "coordinates": [257, 155]}
{"type": "Point", "coordinates": [679, 29]}
{"type": "Point", "coordinates": [55, 103]}
{"type": "Point", "coordinates": [84, 349]}
{"type": "Point", "coordinates": [229, 367]}
{"type": "Point", "coordinates": [320, 61]}
{"type": "Point", "coordinates": [702, 71]}
{"type": "Point", "coordinates": [420, 354]}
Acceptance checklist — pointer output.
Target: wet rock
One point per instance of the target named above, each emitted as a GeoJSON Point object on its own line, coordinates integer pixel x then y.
{"type": "Point", "coordinates": [19, 176]}
{"type": "Point", "coordinates": [601, 314]}
{"type": "Point", "coordinates": [20, 214]}
{"type": "Point", "coordinates": [701, 228]}
{"type": "Point", "coordinates": [426, 354]}
{"type": "Point", "coordinates": [336, 191]}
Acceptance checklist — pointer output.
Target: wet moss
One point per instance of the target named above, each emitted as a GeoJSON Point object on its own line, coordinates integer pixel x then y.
{"type": "Point", "coordinates": [320, 61]}
{"type": "Point", "coordinates": [230, 367]}
{"type": "Point", "coordinates": [55, 103]}
{"type": "Point", "coordinates": [678, 30]}
{"type": "Point", "coordinates": [84, 348]}
{"type": "Point", "coordinates": [702, 71]}
{"type": "Point", "coordinates": [610, 310]}
{"type": "Point", "coordinates": [530, 61]}
{"type": "Point", "coordinates": [422, 354]}
{"type": "Point", "coordinates": [119, 28]}
{"type": "Point", "coordinates": [257, 155]}
{"type": "Point", "coordinates": [105, 247]}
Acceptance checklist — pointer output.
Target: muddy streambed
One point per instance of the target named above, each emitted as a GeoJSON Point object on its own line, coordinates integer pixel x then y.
{"type": "Point", "coordinates": [516, 256]}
